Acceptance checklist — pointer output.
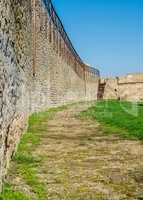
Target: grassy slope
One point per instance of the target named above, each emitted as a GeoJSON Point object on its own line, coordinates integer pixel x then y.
{"type": "Point", "coordinates": [25, 164]}
{"type": "Point", "coordinates": [124, 118]}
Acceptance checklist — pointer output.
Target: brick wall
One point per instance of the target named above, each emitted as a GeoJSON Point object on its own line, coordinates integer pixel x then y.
{"type": "Point", "coordinates": [57, 80]}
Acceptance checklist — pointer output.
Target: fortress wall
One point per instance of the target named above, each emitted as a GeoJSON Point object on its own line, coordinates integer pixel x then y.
{"type": "Point", "coordinates": [67, 82]}
{"type": "Point", "coordinates": [129, 88]}
{"type": "Point", "coordinates": [92, 85]}
{"type": "Point", "coordinates": [15, 61]}
{"type": "Point", "coordinates": [33, 76]}
{"type": "Point", "coordinates": [111, 89]}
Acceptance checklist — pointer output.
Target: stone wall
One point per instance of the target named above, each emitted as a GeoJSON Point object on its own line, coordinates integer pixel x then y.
{"type": "Point", "coordinates": [111, 89]}
{"type": "Point", "coordinates": [15, 43]}
{"type": "Point", "coordinates": [128, 88]}
{"type": "Point", "coordinates": [131, 87]}
{"type": "Point", "coordinates": [33, 77]}
{"type": "Point", "coordinates": [66, 82]}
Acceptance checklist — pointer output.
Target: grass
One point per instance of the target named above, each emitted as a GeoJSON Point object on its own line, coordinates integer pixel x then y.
{"type": "Point", "coordinates": [25, 164]}
{"type": "Point", "coordinates": [123, 118]}
{"type": "Point", "coordinates": [10, 194]}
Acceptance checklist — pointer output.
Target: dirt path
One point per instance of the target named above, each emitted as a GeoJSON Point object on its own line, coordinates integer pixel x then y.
{"type": "Point", "coordinates": [81, 163]}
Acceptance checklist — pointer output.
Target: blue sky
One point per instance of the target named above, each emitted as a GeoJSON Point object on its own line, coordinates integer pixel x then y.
{"type": "Point", "coordinates": [107, 34]}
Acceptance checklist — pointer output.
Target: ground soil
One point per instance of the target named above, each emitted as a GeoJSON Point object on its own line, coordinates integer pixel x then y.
{"type": "Point", "coordinates": [80, 162]}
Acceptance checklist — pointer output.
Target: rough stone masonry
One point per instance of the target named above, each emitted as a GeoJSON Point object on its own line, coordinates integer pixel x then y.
{"type": "Point", "coordinates": [128, 88]}
{"type": "Point", "coordinates": [37, 71]}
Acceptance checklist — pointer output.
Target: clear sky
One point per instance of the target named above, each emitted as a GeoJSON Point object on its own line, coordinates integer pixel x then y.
{"type": "Point", "coordinates": [107, 34]}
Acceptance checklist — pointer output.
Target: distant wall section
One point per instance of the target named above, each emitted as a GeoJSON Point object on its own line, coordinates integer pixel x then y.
{"type": "Point", "coordinates": [128, 88]}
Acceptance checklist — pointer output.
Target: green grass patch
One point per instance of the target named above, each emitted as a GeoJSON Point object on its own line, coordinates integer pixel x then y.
{"type": "Point", "coordinates": [124, 118]}
{"type": "Point", "coordinates": [10, 194]}
{"type": "Point", "coordinates": [27, 165]}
